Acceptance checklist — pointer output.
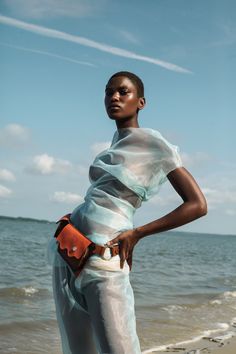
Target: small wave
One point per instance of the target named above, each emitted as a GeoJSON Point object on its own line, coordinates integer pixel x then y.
{"type": "Point", "coordinates": [233, 322]}
{"type": "Point", "coordinates": [30, 290]}
{"type": "Point", "coordinates": [26, 291]}
{"type": "Point", "coordinates": [216, 302]}
{"type": "Point", "coordinates": [225, 336]}
{"type": "Point", "coordinates": [173, 308]}
{"type": "Point", "coordinates": [223, 325]}
{"type": "Point", "coordinates": [224, 298]}
{"type": "Point", "coordinates": [229, 294]}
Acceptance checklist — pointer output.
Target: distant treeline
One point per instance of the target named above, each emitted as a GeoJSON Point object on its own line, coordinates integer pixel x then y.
{"type": "Point", "coordinates": [20, 218]}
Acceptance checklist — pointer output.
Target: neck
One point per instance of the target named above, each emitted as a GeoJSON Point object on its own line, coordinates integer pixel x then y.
{"type": "Point", "coordinates": [127, 124]}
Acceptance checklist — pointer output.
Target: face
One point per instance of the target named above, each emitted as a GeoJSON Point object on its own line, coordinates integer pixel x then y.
{"type": "Point", "coordinates": [121, 98]}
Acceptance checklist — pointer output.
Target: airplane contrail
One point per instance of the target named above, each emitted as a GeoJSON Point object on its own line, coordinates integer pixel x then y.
{"type": "Point", "coordinates": [47, 53]}
{"type": "Point", "coordinates": [52, 33]}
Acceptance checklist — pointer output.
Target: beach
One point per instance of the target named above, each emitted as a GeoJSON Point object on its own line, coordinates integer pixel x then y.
{"type": "Point", "coordinates": [184, 289]}
{"type": "Point", "coordinates": [207, 346]}
{"type": "Point", "coordinates": [217, 344]}
{"type": "Point", "coordinates": [229, 347]}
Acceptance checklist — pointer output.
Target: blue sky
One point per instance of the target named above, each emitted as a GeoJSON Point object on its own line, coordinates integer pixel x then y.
{"type": "Point", "coordinates": [56, 57]}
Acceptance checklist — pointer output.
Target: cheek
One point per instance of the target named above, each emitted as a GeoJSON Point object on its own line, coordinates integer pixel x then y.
{"type": "Point", "coordinates": [132, 103]}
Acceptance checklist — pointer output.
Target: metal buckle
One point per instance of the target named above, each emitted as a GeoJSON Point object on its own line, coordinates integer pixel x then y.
{"type": "Point", "coordinates": [107, 254]}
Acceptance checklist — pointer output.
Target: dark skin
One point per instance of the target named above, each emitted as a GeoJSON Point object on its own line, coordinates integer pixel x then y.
{"type": "Point", "coordinates": [122, 92]}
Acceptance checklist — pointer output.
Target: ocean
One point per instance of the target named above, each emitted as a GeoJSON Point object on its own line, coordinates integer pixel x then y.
{"type": "Point", "coordinates": [184, 286]}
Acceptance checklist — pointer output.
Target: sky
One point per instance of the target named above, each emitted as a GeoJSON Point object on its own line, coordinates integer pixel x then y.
{"type": "Point", "coordinates": [56, 58]}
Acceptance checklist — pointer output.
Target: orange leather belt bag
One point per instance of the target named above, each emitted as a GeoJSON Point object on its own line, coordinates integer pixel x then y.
{"type": "Point", "coordinates": [75, 248]}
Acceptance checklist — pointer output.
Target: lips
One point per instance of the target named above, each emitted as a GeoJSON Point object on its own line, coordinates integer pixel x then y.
{"type": "Point", "coordinates": [114, 106]}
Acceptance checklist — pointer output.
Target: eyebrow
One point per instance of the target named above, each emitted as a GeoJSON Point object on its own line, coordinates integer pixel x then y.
{"type": "Point", "coordinates": [120, 87]}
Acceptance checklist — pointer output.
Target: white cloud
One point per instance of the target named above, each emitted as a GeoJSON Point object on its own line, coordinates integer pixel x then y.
{"type": "Point", "coordinates": [47, 165]}
{"type": "Point", "coordinates": [167, 199]}
{"type": "Point", "coordinates": [66, 197]}
{"type": "Point", "coordinates": [6, 175]}
{"type": "Point", "coordinates": [195, 159]}
{"type": "Point", "coordinates": [48, 54]}
{"type": "Point", "coordinates": [47, 32]}
{"type": "Point", "coordinates": [4, 192]}
{"type": "Point", "coordinates": [221, 196]}
{"type": "Point", "coordinates": [51, 8]}
{"type": "Point", "coordinates": [13, 135]}
{"type": "Point", "coordinates": [99, 147]}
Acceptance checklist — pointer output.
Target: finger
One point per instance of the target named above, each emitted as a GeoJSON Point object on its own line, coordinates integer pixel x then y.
{"type": "Point", "coordinates": [130, 260]}
{"type": "Point", "coordinates": [122, 254]}
{"type": "Point", "coordinates": [122, 261]}
{"type": "Point", "coordinates": [111, 242]}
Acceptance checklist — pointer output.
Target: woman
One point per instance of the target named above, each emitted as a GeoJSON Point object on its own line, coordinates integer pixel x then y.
{"type": "Point", "coordinates": [95, 311]}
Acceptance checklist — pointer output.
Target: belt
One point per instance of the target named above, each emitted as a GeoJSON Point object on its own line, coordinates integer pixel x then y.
{"type": "Point", "coordinates": [93, 247]}
{"type": "Point", "coordinates": [102, 251]}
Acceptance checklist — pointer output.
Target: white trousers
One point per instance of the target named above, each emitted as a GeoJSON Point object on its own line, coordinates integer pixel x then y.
{"type": "Point", "coordinates": [95, 311]}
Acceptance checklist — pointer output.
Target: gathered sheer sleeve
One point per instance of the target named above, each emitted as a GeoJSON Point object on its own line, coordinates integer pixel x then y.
{"type": "Point", "coordinates": [170, 159]}
{"type": "Point", "coordinates": [166, 158]}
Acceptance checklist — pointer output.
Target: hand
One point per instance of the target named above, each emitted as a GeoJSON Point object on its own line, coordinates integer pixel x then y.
{"type": "Point", "coordinates": [127, 240]}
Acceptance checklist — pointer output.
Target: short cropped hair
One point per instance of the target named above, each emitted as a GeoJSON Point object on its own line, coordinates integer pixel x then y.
{"type": "Point", "coordinates": [135, 80]}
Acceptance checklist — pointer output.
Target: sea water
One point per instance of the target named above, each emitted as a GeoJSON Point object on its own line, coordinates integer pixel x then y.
{"type": "Point", "coordinates": [184, 286]}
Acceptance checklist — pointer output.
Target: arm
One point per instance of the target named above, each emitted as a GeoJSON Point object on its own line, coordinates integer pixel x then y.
{"type": "Point", "coordinates": [193, 207]}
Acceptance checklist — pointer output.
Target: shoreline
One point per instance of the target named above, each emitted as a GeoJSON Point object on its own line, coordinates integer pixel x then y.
{"type": "Point", "coordinates": [220, 344]}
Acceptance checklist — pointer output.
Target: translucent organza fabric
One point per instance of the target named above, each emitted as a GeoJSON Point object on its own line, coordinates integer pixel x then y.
{"type": "Point", "coordinates": [95, 311]}
{"type": "Point", "coordinates": [129, 172]}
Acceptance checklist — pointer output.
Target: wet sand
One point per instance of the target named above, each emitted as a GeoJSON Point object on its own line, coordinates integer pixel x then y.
{"type": "Point", "coordinates": [207, 345]}
{"type": "Point", "coordinates": [228, 347]}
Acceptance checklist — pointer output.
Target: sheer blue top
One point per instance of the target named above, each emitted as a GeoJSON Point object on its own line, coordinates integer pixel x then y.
{"type": "Point", "coordinates": [122, 176]}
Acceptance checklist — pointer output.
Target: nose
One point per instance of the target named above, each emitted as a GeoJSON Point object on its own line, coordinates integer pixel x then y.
{"type": "Point", "coordinates": [115, 97]}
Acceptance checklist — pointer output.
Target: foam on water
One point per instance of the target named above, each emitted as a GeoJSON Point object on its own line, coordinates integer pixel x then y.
{"type": "Point", "coordinates": [229, 294]}
{"type": "Point", "coordinates": [30, 290]}
{"type": "Point", "coordinates": [216, 302]}
{"type": "Point", "coordinates": [22, 292]}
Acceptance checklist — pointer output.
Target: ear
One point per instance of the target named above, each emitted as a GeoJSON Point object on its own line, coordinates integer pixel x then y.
{"type": "Point", "coordinates": [142, 103]}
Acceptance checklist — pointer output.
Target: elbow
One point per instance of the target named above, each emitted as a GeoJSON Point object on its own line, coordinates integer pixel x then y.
{"type": "Point", "coordinates": [201, 208]}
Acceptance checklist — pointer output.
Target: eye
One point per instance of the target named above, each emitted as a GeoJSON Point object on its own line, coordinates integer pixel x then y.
{"type": "Point", "coordinates": [123, 91]}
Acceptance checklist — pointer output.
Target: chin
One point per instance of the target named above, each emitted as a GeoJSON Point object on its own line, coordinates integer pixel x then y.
{"type": "Point", "coordinates": [115, 116]}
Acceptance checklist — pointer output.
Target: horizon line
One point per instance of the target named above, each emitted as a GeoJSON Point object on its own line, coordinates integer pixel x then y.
{"type": "Point", "coordinates": [172, 230]}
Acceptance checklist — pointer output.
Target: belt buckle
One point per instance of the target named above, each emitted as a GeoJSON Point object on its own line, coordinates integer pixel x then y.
{"type": "Point", "coordinates": [107, 256]}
